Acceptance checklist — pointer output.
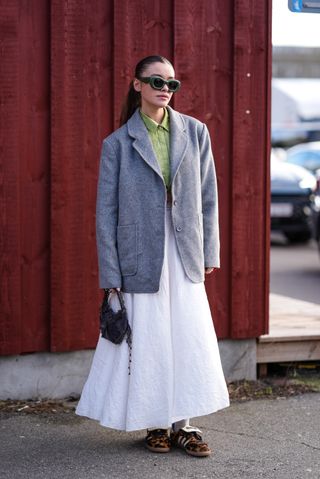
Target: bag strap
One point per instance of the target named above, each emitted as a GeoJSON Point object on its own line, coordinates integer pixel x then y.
{"type": "Point", "coordinates": [107, 293]}
{"type": "Point", "coordinates": [121, 300]}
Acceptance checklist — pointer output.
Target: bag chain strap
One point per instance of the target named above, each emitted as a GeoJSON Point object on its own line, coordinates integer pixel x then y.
{"type": "Point", "coordinates": [107, 292]}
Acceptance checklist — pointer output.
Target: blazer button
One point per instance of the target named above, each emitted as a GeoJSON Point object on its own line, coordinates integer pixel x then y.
{"type": "Point", "coordinates": [179, 228]}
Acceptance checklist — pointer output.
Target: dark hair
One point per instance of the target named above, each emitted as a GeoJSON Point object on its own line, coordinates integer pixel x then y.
{"type": "Point", "coordinates": [133, 98]}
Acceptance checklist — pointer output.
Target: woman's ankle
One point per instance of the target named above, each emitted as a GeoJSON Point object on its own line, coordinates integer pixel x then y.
{"type": "Point", "coordinates": [180, 424]}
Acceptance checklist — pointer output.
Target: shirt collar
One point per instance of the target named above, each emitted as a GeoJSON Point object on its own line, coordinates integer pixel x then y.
{"type": "Point", "coordinates": [153, 125]}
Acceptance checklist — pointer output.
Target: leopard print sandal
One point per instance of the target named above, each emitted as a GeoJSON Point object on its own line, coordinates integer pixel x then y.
{"type": "Point", "coordinates": [189, 438]}
{"type": "Point", "coordinates": [158, 440]}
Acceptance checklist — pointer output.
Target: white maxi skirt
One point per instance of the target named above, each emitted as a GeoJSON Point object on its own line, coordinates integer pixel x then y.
{"type": "Point", "coordinates": [176, 369]}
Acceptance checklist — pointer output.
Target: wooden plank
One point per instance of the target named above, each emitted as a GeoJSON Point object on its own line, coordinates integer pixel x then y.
{"type": "Point", "coordinates": [82, 107]}
{"type": "Point", "coordinates": [292, 319]}
{"type": "Point", "coordinates": [262, 370]}
{"type": "Point", "coordinates": [34, 173]}
{"type": "Point", "coordinates": [25, 177]}
{"type": "Point", "coordinates": [142, 28]}
{"type": "Point", "coordinates": [10, 292]}
{"type": "Point", "coordinates": [309, 330]}
{"type": "Point", "coordinates": [250, 168]}
{"type": "Point", "coordinates": [274, 352]}
{"type": "Point", "coordinates": [292, 327]}
{"type": "Point", "coordinates": [285, 337]}
{"type": "Point", "coordinates": [203, 61]}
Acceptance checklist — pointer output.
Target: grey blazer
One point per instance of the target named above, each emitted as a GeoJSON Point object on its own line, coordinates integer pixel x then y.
{"type": "Point", "coordinates": [131, 202]}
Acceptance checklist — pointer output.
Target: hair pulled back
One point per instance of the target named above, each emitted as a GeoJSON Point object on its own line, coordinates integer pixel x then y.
{"type": "Point", "coordinates": [133, 98]}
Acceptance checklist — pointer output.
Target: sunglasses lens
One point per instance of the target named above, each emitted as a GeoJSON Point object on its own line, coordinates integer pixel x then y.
{"type": "Point", "coordinates": [173, 85]}
{"type": "Point", "coordinates": [157, 83]}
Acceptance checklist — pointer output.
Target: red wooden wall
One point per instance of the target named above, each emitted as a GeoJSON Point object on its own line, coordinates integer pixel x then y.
{"type": "Point", "coordinates": [65, 68]}
{"type": "Point", "coordinates": [24, 176]}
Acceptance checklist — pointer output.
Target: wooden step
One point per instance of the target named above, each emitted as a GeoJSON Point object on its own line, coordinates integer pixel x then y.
{"type": "Point", "coordinates": [288, 351]}
{"type": "Point", "coordinates": [294, 332]}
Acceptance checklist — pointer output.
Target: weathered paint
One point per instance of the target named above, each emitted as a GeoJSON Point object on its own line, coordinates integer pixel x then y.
{"type": "Point", "coordinates": [250, 169]}
{"type": "Point", "coordinates": [24, 177]}
{"type": "Point", "coordinates": [53, 118]}
{"type": "Point", "coordinates": [81, 114]}
{"type": "Point", "coordinates": [203, 59]}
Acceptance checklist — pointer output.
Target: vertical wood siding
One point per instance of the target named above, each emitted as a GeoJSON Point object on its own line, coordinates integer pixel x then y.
{"type": "Point", "coordinates": [66, 66]}
{"type": "Point", "coordinates": [81, 114]}
{"type": "Point", "coordinates": [204, 63]}
{"type": "Point", "coordinates": [250, 189]}
{"type": "Point", "coordinates": [24, 177]}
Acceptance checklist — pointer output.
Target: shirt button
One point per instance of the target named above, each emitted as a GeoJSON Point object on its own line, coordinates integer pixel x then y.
{"type": "Point", "coordinates": [175, 202]}
{"type": "Point", "coordinates": [179, 228]}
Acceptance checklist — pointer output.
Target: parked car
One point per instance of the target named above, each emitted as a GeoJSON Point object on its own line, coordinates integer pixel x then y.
{"type": "Point", "coordinates": [317, 228]}
{"type": "Point", "coordinates": [306, 155]}
{"type": "Point", "coordinates": [316, 216]}
{"type": "Point", "coordinates": [292, 200]}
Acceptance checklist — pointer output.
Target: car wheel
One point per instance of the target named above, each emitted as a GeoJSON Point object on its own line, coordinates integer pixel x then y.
{"type": "Point", "coordinates": [298, 237]}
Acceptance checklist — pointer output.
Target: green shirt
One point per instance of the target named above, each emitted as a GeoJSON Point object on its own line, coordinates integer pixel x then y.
{"type": "Point", "coordinates": [159, 135]}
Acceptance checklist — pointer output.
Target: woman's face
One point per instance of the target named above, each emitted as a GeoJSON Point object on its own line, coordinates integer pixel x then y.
{"type": "Point", "coordinates": [151, 98]}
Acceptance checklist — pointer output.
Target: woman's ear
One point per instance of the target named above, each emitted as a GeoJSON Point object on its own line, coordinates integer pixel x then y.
{"type": "Point", "coordinates": [137, 84]}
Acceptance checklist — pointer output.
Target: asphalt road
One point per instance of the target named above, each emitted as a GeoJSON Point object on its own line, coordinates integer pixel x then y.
{"type": "Point", "coordinates": [270, 439]}
{"type": "Point", "coordinates": [295, 269]}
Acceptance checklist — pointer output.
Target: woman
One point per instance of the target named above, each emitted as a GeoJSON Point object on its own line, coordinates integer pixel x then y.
{"type": "Point", "coordinates": [157, 236]}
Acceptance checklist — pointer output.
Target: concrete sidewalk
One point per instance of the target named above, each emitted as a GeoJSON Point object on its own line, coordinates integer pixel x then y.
{"type": "Point", "coordinates": [277, 438]}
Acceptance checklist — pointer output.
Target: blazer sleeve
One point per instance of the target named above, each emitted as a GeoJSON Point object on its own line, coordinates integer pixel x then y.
{"type": "Point", "coordinates": [107, 218]}
{"type": "Point", "coordinates": [209, 192]}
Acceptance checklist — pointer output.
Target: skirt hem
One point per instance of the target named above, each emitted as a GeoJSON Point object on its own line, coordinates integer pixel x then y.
{"type": "Point", "coordinates": [151, 424]}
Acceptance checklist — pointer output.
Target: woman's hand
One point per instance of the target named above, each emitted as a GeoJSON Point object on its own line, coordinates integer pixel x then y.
{"type": "Point", "coordinates": [208, 270]}
{"type": "Point", "coordinates": [112, 290]}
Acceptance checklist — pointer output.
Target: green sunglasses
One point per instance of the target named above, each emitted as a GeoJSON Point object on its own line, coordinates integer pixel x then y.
{"type": "Point", "coordinates": [157, 83]}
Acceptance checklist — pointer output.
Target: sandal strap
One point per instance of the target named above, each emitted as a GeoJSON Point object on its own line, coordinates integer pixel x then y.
{"type": "Point", "coordinates": [158, 440]}
{"type": "Point", "coordinates": [157, 432]}
{"type": "Point", "coordinates": [190, 436]}
{"type": "Point", "coordinates": [191, 429]}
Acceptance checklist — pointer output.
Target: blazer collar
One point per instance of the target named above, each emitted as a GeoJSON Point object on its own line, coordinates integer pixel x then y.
{"type": "Point", "coordinates": [143, 145]}
{"type": "Point", "coordinates": [178, 141]}
{"type": "Point", "coordinates": [153, 125]}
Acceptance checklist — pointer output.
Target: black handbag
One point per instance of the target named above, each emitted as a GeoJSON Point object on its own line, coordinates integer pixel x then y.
{"type": "Point", "coordinates": [114, 325]}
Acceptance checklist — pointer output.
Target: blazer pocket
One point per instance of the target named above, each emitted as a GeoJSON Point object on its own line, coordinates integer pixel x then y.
{"type": "Point", "coordinates": [127, 242]}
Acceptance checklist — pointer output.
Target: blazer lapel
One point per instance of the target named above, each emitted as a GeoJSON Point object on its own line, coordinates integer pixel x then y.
{"type": "Point", "coordinates": [142, 143]}
{"type": "Point", "coordinates": [178, 141]}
